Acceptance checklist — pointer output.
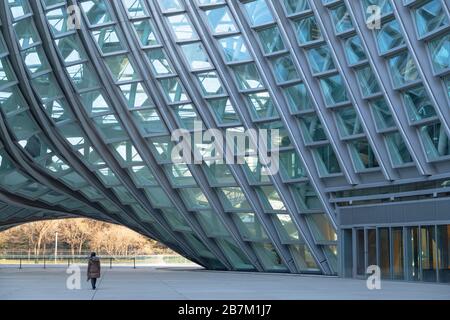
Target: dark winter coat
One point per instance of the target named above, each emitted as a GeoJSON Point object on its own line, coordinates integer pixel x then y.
{"type": "Point", "coordinates": [93, 271]}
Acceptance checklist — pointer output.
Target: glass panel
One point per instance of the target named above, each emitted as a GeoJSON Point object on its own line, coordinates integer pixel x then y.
{"type": "Point", "coordinates": [234, 198]}
{"type": "Point", "coordinates": [363, 155]}
{"type": "Point", "coordinates": [382, 114]}
{"type": "Point", "coordinates": [234, 48]}
{"type": "Point", "coordinates": [108, 40]}
{"type": "Point", "coordinates": [121, 68]}
{"type": "Point", "coordinates": [94, 102]}
{"type": "Point", "coordinates": [307, 30]}
{"type": "Point", "coordinates": [389, 37]}
{"type": "Point", "coordinates": [435, 141]}
{"type": "Point", "coordinates": [367, 81]}
{"type": "Point", "coordinates": [250, 227]}
{"type": "Point", "coordinates": [271, 40]}
{"type": "Point", "coordinates": [145, 32]}
{"type": "Point", "coordinates": [341, 18]}
{"type": "Point", "coordinates": [430, 16]}
{"type": "Point", "coordinates": [212, 224]}
{"type": "Point", "coordinates": [110, 127]}
{"type": "Point", "coordinates": [210, 83]}
{"type": "Point", "coordinates": [270, 199]}
{"type": "Point", "coordinates": [136, 95]}
{"type": "Point", "coordinates": [360, 253]}
{"type": "Point", "coordinates": [195, 198]}
{"type": "Point", "coordinates": [418, 105]}
{"type": "Point", "coordinates": [291, 166]}
{"type": "Point", "coordinates": [321, 227]}
{"type": "Point", "coordinates": [440, 53]}
{"type": "Point", "coordinates": [303, 258]}
{"type": "Point", "coordinates": [235, 255]}
{"type": "Point", "coordinates": [149, 122]}
{"type": "Point", "coordinates": [247, 76]}
{"type": "Point", "coordinates": [135, 8]}
{"type": "Point", "coordinates": [305, 197]}
{"type": "Point", "coordinates": [403, 69]}
{"type": "Point", "coordinates": [334, 90]}
{"type": "Point", "coordinates": [354, 50]}
{"type": "Point", "coordinates": [298, 98]}
{"type": "Point", "coordinates": [412, 250]}
{"type": "Point", "coordinates": [97, 11]}
{"type": "Point", "coordinates": [269, 257]}
{"type": "Point", "coordinates": [327, 161]}
{"type": "Point", "coordinates": [397, 149]}
{"type": "Point", "coordinates": [384, 252]}
{"type": "Point", "coordinates": [312, 128]}
{"type": "Point", "coordinates": [397, 253]}
{"type": "Point", "coordinates": [349, 122]}
{"type": "Point", "coordinates": [159, 62]}
{"type": "Point", "coordinates": [173, 90]}
{"type": "Point", "coordinates": [158, 197]}
{"type": "Point", "coordinates": [428, 253]}
{"type": "Point", "coordinates": [220, 20]}
{"type": "Point", "coordinates": [262, 105]}
{"type": "Point", "coordinates": [287, 229]}
{"type": "Point", "coordinates": [224, 111]}
{"type": "Point", "coordinates": [182, 27]}
{"type": "Point", "coordinates": [295, 6]}
{"type": "Point", "coordinates": [196, 56]}
{"type": "Point", "coordinates": [258, 12]}
{"type": "Point", "coordinates": [443, 253]}
{"type": "Point", "coordinates": [320, 59]}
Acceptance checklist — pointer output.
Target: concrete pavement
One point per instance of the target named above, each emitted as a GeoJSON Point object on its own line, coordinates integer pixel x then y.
{"type": "Point", "coordinates": [194, 284]}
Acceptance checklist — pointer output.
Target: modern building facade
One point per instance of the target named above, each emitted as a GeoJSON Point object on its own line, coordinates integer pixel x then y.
{"type": "Point", "coordinates": [359, 91]}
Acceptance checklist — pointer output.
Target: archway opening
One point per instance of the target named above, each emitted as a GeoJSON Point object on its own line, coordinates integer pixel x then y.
{"type": "Point", "coordinates": [67, 241]}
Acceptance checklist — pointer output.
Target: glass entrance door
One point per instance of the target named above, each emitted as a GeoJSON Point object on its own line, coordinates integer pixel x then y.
{"type": "Point", "coordinates": [372, 247]}
{"type": "Point", "coordinates": [412, 254]}
{"type": "Point", "coordinates": [360, 253]}
{"type": "Point", "coordinates": [444, 252]}
{"type": "Point", "coordinates": [384, 252]}
{"type": "Point", "coordinates": [397, 254]}
{"type": "Point", "coordinates": [428, 253]}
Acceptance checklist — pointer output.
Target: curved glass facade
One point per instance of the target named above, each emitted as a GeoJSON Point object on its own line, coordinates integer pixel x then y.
{"type": "Point", "coordinates": [92, 91]}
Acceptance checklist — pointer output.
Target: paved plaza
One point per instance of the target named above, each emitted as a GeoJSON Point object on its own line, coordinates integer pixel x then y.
{"type": "Point", "coordinates": [150, 283]}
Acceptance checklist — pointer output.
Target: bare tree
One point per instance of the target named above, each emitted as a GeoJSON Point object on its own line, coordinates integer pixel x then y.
{"type": "Point", "coordinates": [74, 233]}
{"type": "Point", "coordinates": [35, 233]}
{"type": "Point", "coordinates": [78, 235]}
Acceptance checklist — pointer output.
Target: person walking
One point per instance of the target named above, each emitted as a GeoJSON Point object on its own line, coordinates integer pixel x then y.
{"type": "Point", "coordinates": [93, 271]}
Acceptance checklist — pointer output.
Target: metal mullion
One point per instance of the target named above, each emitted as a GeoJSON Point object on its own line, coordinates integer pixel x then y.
{"type": "Point", "coordinates": [281, 188]}
{"type": "Point", "coordinates": [94, 52]}
{"type": "Point", "coordinates": [100, 147]}
{"type": "Point", "coordinates": [291, 126]}
{"type": "Point", "coordinates": [248, 191]}
{"type": "Point", "coordinates": [392, 97]}
{"type": "Point", "coordinates": [9, 142]}
{"type": "Point", "coordinates": [171, 123]}
{"type": "Point", "coordinates": [350, 80]}
{"type": "Point", "coordinates": [134, 135]}
{"type": "Point", "coordinates": [16, 157]}
{"type": "Point", "coordinates": [314, 90]}
{"type": "Point", "coordinates": [104, 151]}
{"type": "Point", "coordinates": [253, 199]}
{"type": "Point", "coordinates": [432, 84]}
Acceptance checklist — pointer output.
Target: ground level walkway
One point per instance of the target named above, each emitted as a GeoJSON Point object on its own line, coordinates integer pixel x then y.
{"type": "Point", "coordinates": [192, 284]}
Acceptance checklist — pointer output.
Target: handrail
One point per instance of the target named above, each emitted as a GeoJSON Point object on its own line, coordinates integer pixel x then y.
{"type": "Point", "coordinates": [134, 261]}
